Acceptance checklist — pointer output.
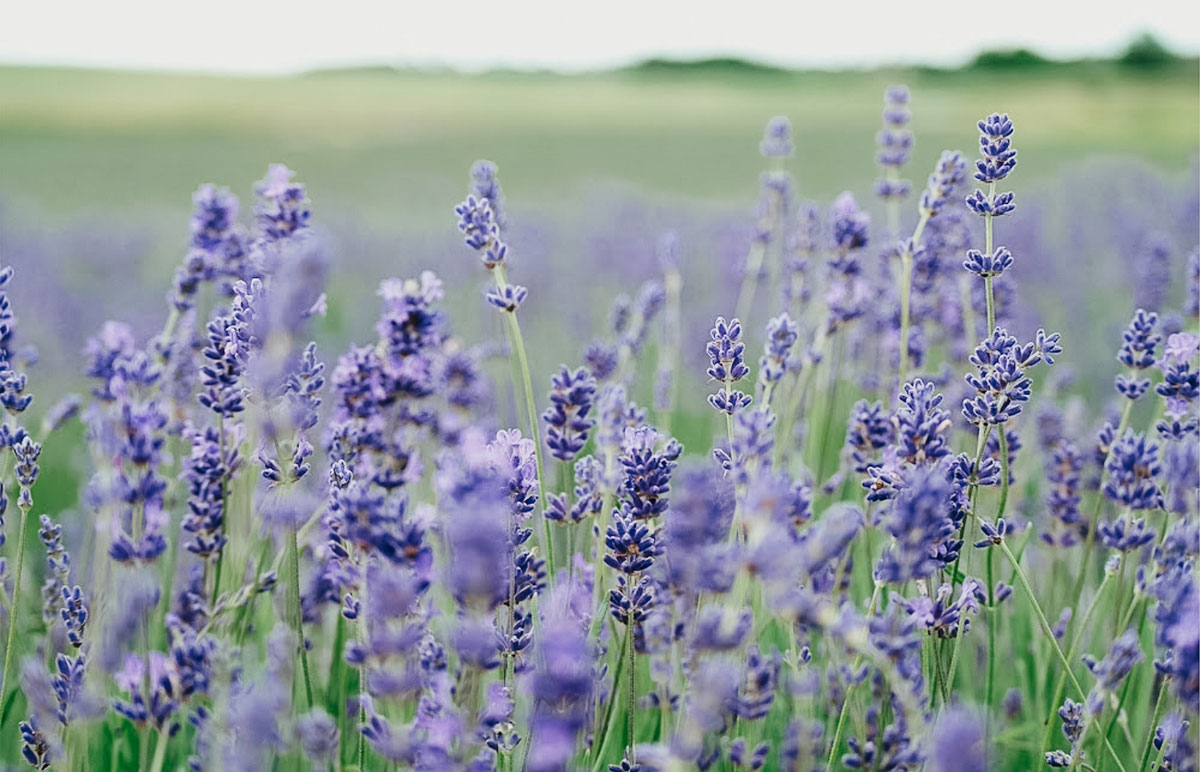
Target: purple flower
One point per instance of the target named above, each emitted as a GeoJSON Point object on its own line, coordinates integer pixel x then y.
{"type": "Point", "coordinates": [507, 298]}
{"type": "Point", "coordinates": [988, 266]}
{"type": "Point", "coordinates": [998, 158]}
{"type": "Point", "coordinates": [562, 682]}
{"type": "Point", "coordinates": [727, 364]}
{"type": "Point", "coordinates": [919, 520]}
{"type": "Point", "coordinates": [921, 425]}
{"type": "Point", "coordinates": [318, 735]}
{"type": "Point", "coordinates": [894, 142]}
{"type": "Point", "coordinates": [282, 208]}
{"type": "Point", "coordinates": [1112, 670]}
{"type": "Point", "coordinates": [957, 744]}
{"type": "Point", "coordinates": [947, 176]}
{"type": "Point", "coordinates": [1001, 384]}
{"type": "Point", "coordinates": [1133, 469]}
{"type": "Point", "coordinates": [568, 424]}
{"type": "Point", "coordinates": [1064, 473]}
{"type": "Point", "coordinates": [777, 138]}
{"type": "Point", "coordinates": [485, 186]}
{"type": "Point", "coordinates": [782, 334]}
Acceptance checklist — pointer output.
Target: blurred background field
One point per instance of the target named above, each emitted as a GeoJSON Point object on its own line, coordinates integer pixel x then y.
{"type": "Point", "coordinates": [97, 170]}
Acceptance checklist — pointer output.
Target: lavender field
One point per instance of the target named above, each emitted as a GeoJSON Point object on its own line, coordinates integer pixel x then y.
{"type": "Point", "coordinates": [787, 444]}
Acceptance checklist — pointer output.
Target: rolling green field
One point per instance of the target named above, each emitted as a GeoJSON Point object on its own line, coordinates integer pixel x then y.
{"type": "Point", "coordinates": [395, 146]}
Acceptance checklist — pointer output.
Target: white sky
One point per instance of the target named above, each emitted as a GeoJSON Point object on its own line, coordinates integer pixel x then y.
{"type": "Point", "coordinates": [269, 36]}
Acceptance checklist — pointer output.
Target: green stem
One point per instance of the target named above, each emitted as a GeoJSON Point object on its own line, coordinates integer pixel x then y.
{"type": "Point", "coordinates": [1089, 541]}
{"type": "Point", "coordinates": [14, 608]}
{"type": "Point", "coordinates": [1159, 705]}
{"type": "Point", "coordinates": [518, 342]}
{"type": "Point", "coordinates": [1049, 633]}
{"type": "Point", "coordinates": [906, 265]}
{"type": "Point", "coordinates": [160, 752]}
{"type": "Point", "coordinates": [841, 720]}
{"type": "Point", "coordinates": [1072, 650]}
{"type": "Point", "coordinates": [294, 610]}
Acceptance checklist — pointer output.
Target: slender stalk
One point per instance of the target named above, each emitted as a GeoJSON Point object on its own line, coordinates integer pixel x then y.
{"type": "Point", "coordinates": [1072, 650]}
{"type": "Point", "coordinates": [160, 752]}
{"type": "Point", "coordinates": [841, 720]}
{"type": "Point", "coordinates": [294, 611]}
{"type": "Point", "coordinates": [1159, 705]}
{"type": "Point", "coordinates": [906, 266]}
{"type": "Point", "coordinates": [1089, 541]}
{"type": "Point", "coordinates": [1049, 633]}
{"type": "Point", "coordinates": [631, 699]}
{"type": "Point", "coordinates": [14, 607]}
{"type": "Point", "coordinates": [518, 342]}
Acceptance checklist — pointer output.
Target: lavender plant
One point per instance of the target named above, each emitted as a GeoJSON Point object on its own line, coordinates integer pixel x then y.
{"type": "Point", "coordinates": [365, 562]}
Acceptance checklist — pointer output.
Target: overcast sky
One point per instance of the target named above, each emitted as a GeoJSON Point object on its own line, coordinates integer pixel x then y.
{"type": "Point", "coordinates": [267, 36]}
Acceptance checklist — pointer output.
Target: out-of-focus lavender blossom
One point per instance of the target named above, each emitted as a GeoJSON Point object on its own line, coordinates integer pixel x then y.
{"type": "Point", "coordinates": [1178, 604]}
{"type": "Point", "coordinates": [1112, 670]}
{"type": "Point", "coordinates": [1153, 278]}
{"type": "Point", "coordinates": [957, 744]}
{"type": "Point", "coordinates": [777, 138]}
{"type": "Point", "coordinates": [943, 182]}
{"type": "Point", "coordinates": [485, 186]}
{"type": "Point", "coordinates": [782, 334]}
{"type": "Point", "coordinates": [895, 143]}
{"type": "Point", "coordinates": [1064, 473]}
{"type": "Point", "coordinates": [282, 208]}
{"type": "Point", "coordinates": [847, 293]}
{"type": "Point", "coordinates": [919, 521]}
{"type": "Point", "coordinates": [1172, 741]}
{"type": "Point", "coordinates": [1133, 468]}
{"type": "Point", "coordinates": [1192, 306]}
{"type": "Point", "coordinates": [571, 397]}
{"type": "Point", "coordinates": [561, 685]}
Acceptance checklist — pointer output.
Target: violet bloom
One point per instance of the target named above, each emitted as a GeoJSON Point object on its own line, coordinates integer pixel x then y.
{"type": "Point", "coordinates": [957, 744]}
{"type": "Point", "coordinates": [894, 143]}
{"type": "Point", "coordinates": [847, 295]}
{"type": "Point", "coordinates": [782, 334]}
{"type": "Point", "coordinates": [647, 468]}
{"type": "Point", "coordinates": [727, 365]}
{"type": "Point", "coordinates": [12, 383]}
{"type": "Point", "coordinates": [921, 424]}
{"type": "Point", "coordinates": [1178, 605]}
{"type": "Point", "coordinates": [1065, 475]}
{"type": "Point", "coordinates": [282, 208]}
{"type": "Point", "coordinates": [1112, 670]}
{"type": "Point", "coordinates": [777, 139]}
{"type": "Point", "coordinates": [1153, 274]}
{"type": "Point", "coordinates": [588, 490]}
{"type": "Point", "coordinates": [1133, 469]}
{"type": "Point", "coordinates": [562, 682]}
{"type": "Point", "coordinates": [919, 520]}
{"type": "Point", "coordinates": [1137, 353]}
{"type": "Point", "coordinates": [485, 186]}
{"type": "Point", "coordinates": [567, 419]}
{"type": "Point", "coordinates": [214, 240]}
{"type": "Point", "coordinates": [1002, 385]}
{"type": "Point", "coordinates": [997, 159]}
{"type": "Point", "coordinates": [867, 432]}
{"type": "Point", "coordinates": [947, 175]}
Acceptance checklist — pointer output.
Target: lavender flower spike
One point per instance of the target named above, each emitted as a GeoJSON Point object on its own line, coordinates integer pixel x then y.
{"type": "Point", "coordinates": [727, 364]}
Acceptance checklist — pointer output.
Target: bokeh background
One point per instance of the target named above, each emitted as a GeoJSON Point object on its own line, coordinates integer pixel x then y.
{"type": "Point", "coordinates": [601, 152]}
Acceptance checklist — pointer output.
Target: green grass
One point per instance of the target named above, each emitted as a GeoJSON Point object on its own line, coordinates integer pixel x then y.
{"type": "Point", "coordinates": [395, 146]}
